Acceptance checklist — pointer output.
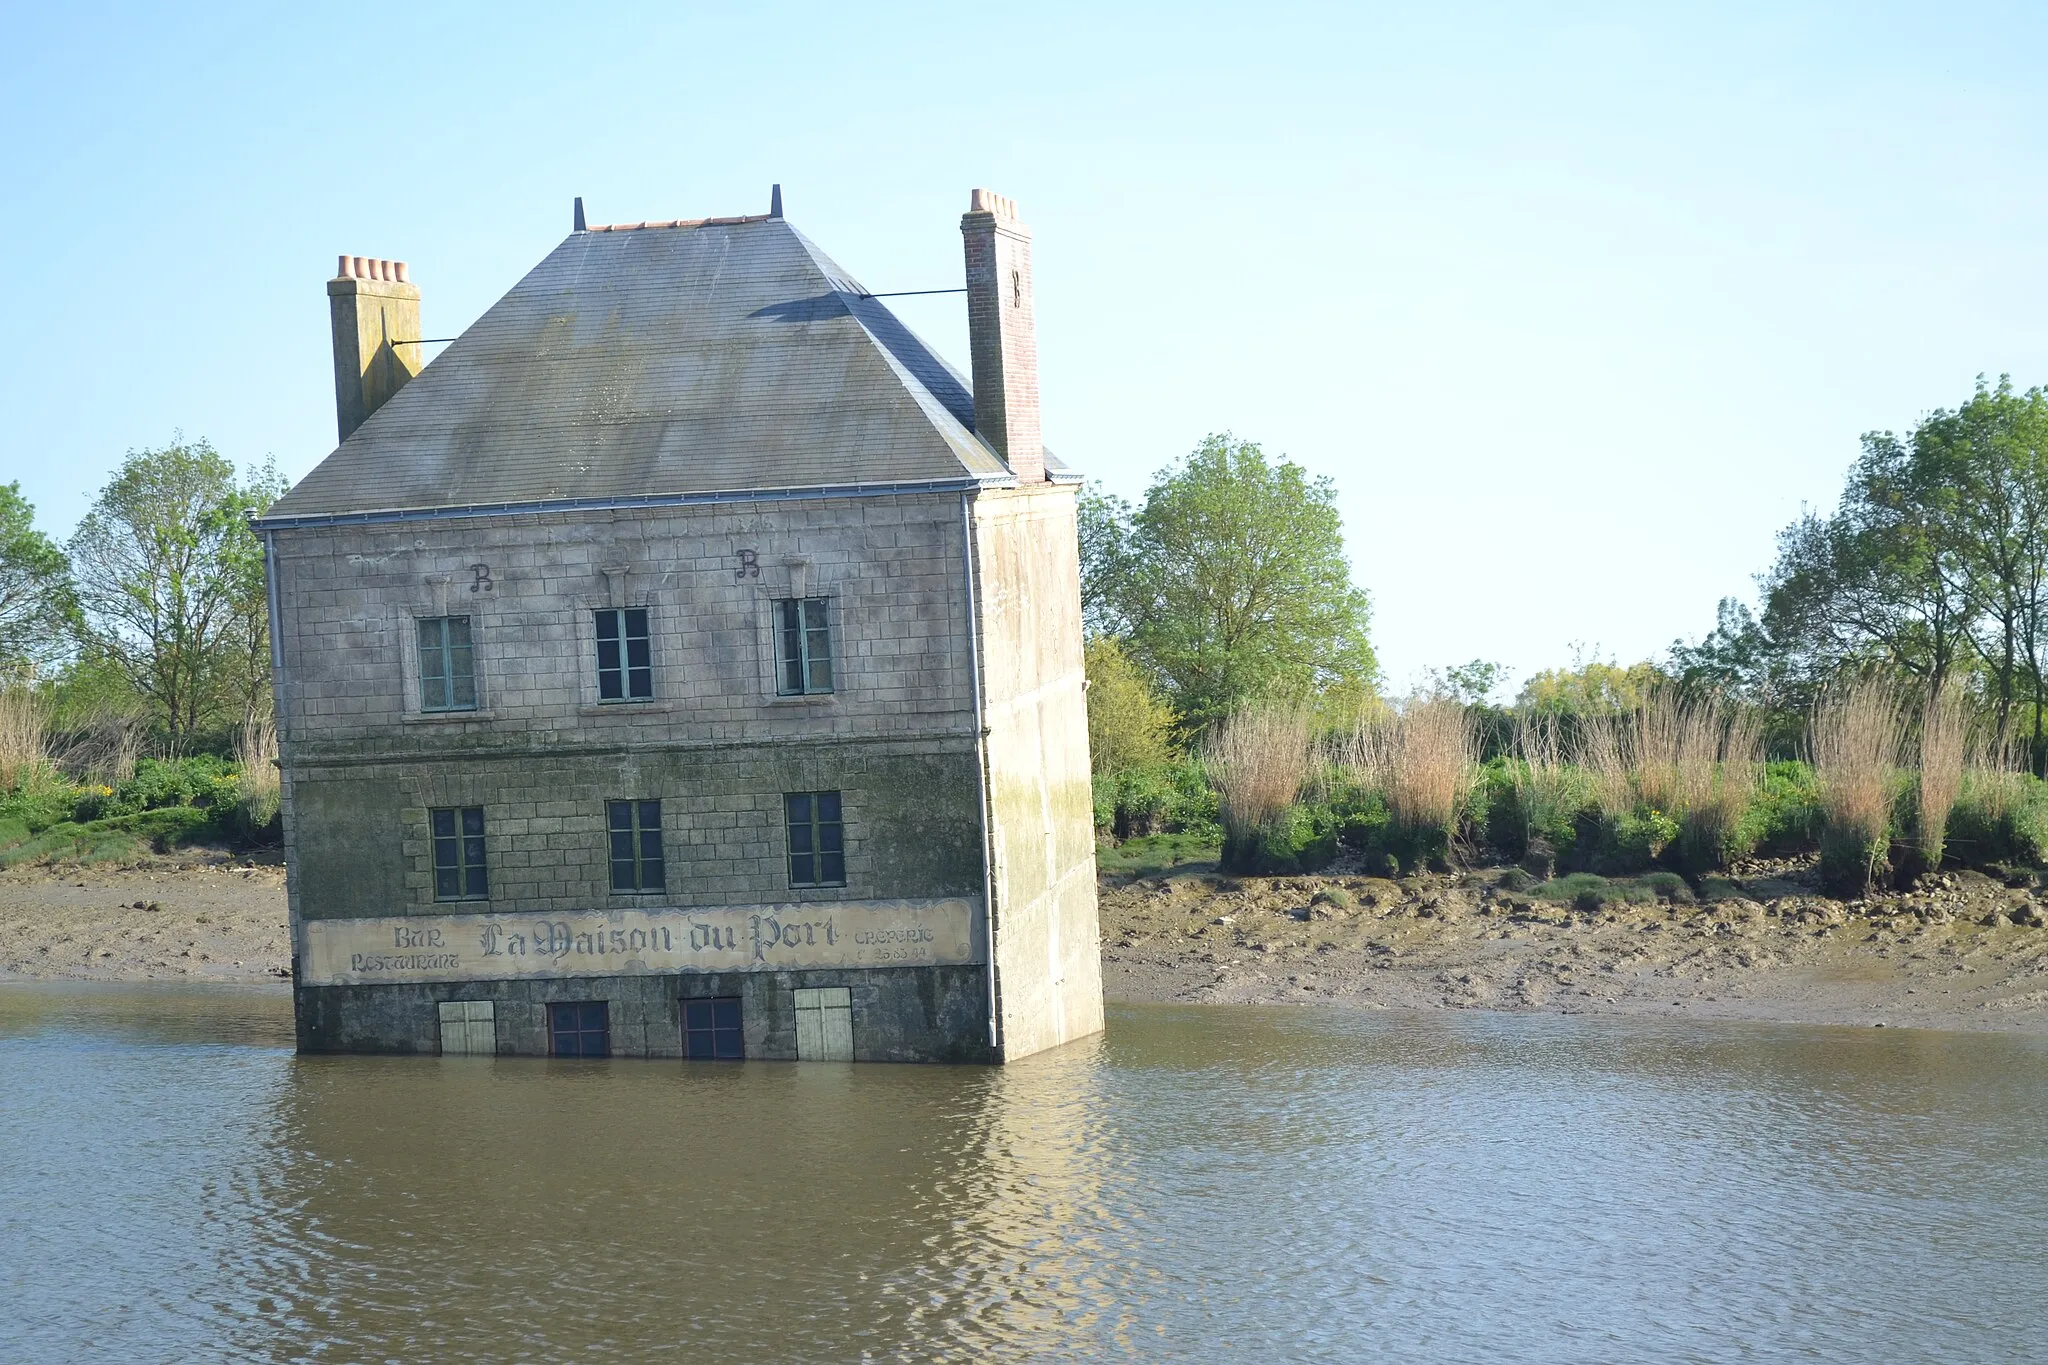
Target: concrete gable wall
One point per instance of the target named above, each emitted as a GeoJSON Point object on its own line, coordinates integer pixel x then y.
{"type": "Point", "coordinates": [1048, 957]}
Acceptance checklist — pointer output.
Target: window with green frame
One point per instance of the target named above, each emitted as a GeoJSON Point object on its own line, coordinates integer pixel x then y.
{"type": "Point", "coordinates": [803, 647]}
{"type": "Point", "coordinates": [637, 863]}
{"type": "Point", "coordinates": [459, 872]}
{"type": "Point", "coordinates": [817, 839]}
{"type": "Point", "coordinates": [447, 664]}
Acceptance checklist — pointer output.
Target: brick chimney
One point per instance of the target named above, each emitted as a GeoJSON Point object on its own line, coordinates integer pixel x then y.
{"type": "Point", "coordinates": [376, 313]}
{"type": "Point", "coordinates": [1002, 333]}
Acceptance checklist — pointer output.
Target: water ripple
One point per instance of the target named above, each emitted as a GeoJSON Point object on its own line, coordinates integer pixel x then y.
{"type": "Point", "coordinates": [1204, 1185]}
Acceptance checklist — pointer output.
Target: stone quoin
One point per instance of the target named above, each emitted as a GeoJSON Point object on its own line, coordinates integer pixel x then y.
{"type": "Point", "coordinates": [686, 662]}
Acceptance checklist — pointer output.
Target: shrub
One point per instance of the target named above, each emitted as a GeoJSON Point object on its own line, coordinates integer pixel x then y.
{"type": "Point", "coordinates": [1784, 815]}
{"type": "Point", "coordinates": [1632, 841]}
{"type": "Point", "coordinates": [1128, 725]}
{"type": "Point", "coordinates": [1299, 839]}
{"type": "Point", "coordinates": [39, 799]}
{"type": "Point", "coordinates": [1169, 798]}
{"type": "Point", "coordinates": [2000, 815]}
{"type": "Point", "coordinates": [1103, 790]}
{"type": "Point", "coordinates": [1858, 732]}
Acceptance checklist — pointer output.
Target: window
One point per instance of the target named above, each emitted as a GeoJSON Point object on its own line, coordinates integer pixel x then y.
{"type": "Point", "coordinates": [447, 664]}
{"type": "Point", "coordinates": [636, 845]}
{"type": "Point", "coordinates": [625, 662]}
{"type": "Point", "coordinates": [459, 854]}
{"type": "Point", "coordinates": [817, 841]}
{"type": "Point", "coordinates": [711, 1029]}
{"type": "Point", "coordinates": [803, 647]}
{"type": "Point", "coordinates": [580, 1029]}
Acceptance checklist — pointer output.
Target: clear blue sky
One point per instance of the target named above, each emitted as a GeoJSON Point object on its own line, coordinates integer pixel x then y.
{"type": "Point", "coordinates": [1576, 303]}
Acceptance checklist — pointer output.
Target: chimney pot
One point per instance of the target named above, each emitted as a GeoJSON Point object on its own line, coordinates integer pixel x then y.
{"type": "Point", "coordinates": [403, 278]}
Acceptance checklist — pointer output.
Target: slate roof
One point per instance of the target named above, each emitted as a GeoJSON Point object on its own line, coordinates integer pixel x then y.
{"type": "Point", "coordinates": [646, 362]}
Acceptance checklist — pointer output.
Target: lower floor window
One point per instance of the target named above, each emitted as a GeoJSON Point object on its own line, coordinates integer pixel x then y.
{"type": "Point", "coordinates": [817, 839]}
{"type": "Point", "coordinates": [581, 1028]}
{"type": "Point", "coordinates": [459, 854]}
{"type": "Point", "coordinates": [711, 1029]}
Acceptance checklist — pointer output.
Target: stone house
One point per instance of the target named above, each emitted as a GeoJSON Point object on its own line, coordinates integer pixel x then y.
{"type": "Point", "coordinates": [687, 663]}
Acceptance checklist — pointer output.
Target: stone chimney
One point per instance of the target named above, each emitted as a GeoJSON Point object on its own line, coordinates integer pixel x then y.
{"type": "Point", "coordinates": [1002, 333]}
{"type": "Point", "coordinates": [376, 313]}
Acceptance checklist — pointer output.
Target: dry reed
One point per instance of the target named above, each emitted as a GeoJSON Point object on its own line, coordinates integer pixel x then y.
{"type": "Point", "coordinates": [24, 737]}
{"type": "Point", "coordinates": [1665, 740]}
{"type": "Point", "coordinates": [1258, 761]}
{"type": "Point", "coordinates": [1717, 760]}
{"type": "Point", "coordinates": [1994, 776]}
{"type": "Point", "coordinates": [1548, 790]}
{"type": "Point", "coordinates": [1435, 753]}
{"type": "Point", "coordinates": [1858, 736]}
{"type": "Point", "coordinates": [1943, 736]}
{"type": "Point", "coordinates": [258, 779]}
{"type": "Point", "coordinates": [1606, 751]}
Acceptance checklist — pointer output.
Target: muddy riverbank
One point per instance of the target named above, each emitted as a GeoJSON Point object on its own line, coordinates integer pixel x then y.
{"type": "Point", "coordinates": [200, 918]}
{"type": "Point", "coordinates": [1967, 953]}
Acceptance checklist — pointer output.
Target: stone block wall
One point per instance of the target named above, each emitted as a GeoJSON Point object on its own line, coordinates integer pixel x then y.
{"type": "Point", "coordinates": [902, 1014]}
{"type": "Point", "coordinates": [364, 763]}
{"type": "Point", "coordinates": [892, 568]}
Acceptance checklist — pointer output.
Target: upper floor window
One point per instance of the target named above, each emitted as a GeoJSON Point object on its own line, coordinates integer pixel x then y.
{"type": "Point", "coordinates": [459, 873]}
{"type": "Point", "coordinates": [625, 661]}
{"type": "Point", "coordinates": [803, 647]}
{"type": "Point", "coordinates": [447, 664]}
{"type": "Point", "coordinates": [635, 828]}
{"type": "Point", "coordinates": [817, 839]}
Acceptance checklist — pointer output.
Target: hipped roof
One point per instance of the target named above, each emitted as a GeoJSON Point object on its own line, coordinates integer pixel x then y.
{"type": "Point", "coordinates": [721, 357]}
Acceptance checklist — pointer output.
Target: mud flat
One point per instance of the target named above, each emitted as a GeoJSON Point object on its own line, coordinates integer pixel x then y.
{"type": "Point", "coordinates": [204, 919]}
{"type": "Point", "coordinates": [1965, 952]}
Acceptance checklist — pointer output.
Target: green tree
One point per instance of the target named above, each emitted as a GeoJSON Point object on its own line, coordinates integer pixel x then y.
{"type": "Point", "coordinates": [1982, 471]}
{"type": "Point", "coordinates": [170, 578]}
{"type": "Point", "coordinates": [1230, 582]}
{"type": "Point", "coordinates": [1128, 725]}
{"type": "Point", "coordinates": [1934, 563]}
{"type": "Point", "coordinates": [1471, 684]}
{"type": "Point", "coordinates": [1591, 686]}
{"type": "Point", "coordinates": [38, 611]}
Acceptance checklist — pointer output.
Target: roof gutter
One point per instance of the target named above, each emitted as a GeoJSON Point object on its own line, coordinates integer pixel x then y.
{"type": "Point", "coordinates": [543, 505]}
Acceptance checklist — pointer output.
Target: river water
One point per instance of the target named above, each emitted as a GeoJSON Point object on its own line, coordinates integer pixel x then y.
{"type": "Point", "coordinates": [1204, 1184]}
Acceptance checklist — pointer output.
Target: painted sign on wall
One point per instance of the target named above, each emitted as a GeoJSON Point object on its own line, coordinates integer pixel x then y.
{"type": "Point", "coordinates": [752, 938]}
